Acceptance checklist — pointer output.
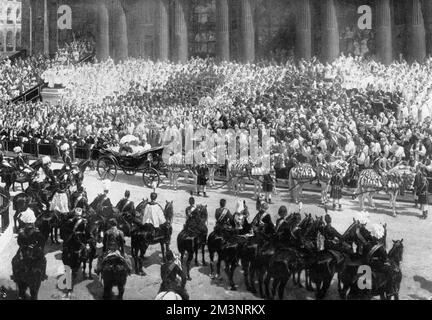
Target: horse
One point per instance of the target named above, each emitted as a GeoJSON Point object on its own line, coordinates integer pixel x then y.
{"type": "Point", "coordinates": [145, 235]}
{"type": "Point", "coordinates": [392, 182]}
{"type": "Point", "coordinates": [386, 277]}
{"type": "Point", "coordinates": [168, 295]}
{"type": "Point", "coordinates": [77, 173]}
{"type": "Point", "coordinates": [114, 274]}
{"type": "Point", "coordinates": [27, 271]}
{"type": "Point", "coordinates": [299, 175]}
{"type": "Point", "coordinates": [194, 236]}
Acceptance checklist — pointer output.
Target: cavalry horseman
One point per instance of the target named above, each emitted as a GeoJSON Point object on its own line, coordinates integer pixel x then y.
{"type": "Point", "coordinates": [170, 271]}
{"type": "Point", "coordinates": [79, 199]}
{"type": "Point", "coordinates": [154, 214]}
{"type": "Point", "coordinates": [125, 205]}
{"type": "Point", "coordinates": [113, 245]}
{"type": "Point", "coordinates": [224, 219]}
{"type": "Point", "coordinates": [21, 165]}
{"type": "Point", "coordinates": [262, 224]}
{"type": "Point", "coordinates": [29, 237]}
{"type": "Point", "coordinates": [102, 202]}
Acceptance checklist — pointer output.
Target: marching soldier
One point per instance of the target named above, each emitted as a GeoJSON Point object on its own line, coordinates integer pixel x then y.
{"type": "Point", "coordinates": [336, 184]}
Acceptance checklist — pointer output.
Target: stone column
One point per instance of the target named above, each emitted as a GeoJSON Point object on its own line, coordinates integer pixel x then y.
{"type": "Point", "coordinates": [222, 30]}
{"type": "Point", "coordinates": [428, 25]}
{"type": "Point", "coordinates": [417, 33]}
{"type": "Point", "coordinates": [102, 33]}
{"type": "Point", "coordinates": [303, 30]}
{"type": "Point", "coordinates": [162, 30]}
{"type": "Point", "coordinates": [247, 31]}
{"type": "Point", "coordinates": [52, 26]}
{"type": "Point", "coordinates": [45, 29]}
{"type": "Point", "coordinates": [119, 39]}
{"type": "Point", "coordinates": [180, 52]}
{"type": "Point", "coordinates": [330, 32]}
{"type": "Point", "coordinates": [384, 31]}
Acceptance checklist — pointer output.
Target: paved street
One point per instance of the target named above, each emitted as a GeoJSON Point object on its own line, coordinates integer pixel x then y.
{"type": "Point", "coordinates": [416, 265]}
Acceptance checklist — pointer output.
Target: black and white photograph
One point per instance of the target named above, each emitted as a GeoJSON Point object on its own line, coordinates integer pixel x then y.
{"type": "Point", "coordinates": [207, 150]}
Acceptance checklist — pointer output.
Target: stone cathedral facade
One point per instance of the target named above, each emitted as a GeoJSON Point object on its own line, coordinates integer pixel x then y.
{"type": "Point", "coordinates": [236, 30]}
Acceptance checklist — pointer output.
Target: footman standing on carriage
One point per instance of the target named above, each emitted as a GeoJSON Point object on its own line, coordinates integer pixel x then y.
{"type": "Point", "coordinates": [336, 184]}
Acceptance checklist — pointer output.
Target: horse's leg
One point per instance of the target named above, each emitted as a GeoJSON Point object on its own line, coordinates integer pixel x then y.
{"type": "Point", "coordinates": [266, 284]}
{"type": "Point", "coordinates": [84, 265]}
{"type": "Point", "coordinates": [22, 288]}
{"type": "Point", "coordinates": [232, 267]}
{"type": "Point", "coordinates": [276, 281]}
{"type": "Point", "coordinates": [371, 201]}
{"type": "Point", "coordinates": [188, 264]}
{"type": "Point", "coordinates": [261, 280]}
{"type": "Point", "coordinates": [196, 248]}
{"type": "Point", "coordinates": [107, 291]}
{"type": "Point", "coordinates": [34, 291]}
{"type": "Point", "coordinates": [245, 266]}
{"type": "Point", "coordinates": [282, 284]}
{"type": "Point", "coordinates": [203, 254]}
{"type": "Point", "coordinates": [211, 256]}
{"type": "Point", "coordinates": [218, 265]}
{"type": "Point", "coordinates": [252, 272]}
{"type": "Point", "coordinates": [121, 291]}
{"type": "Point", "coordinates": [393, 197]}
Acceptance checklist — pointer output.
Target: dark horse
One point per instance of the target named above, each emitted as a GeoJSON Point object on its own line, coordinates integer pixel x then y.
{"type": "Point", "coordinates": [114, 274]}
{"type": "Point", "coordinates": [145, 235]}
{"type": "Point", "coordinates": [193, 236]}
{"type": "Point", "coordinates": [27, 266]}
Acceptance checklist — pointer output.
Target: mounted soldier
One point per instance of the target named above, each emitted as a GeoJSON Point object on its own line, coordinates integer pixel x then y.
{"type": "Point", "coordinates": [102, 201]}
{"type": "Point", "coordinates": [21, 164]}
{"type": "Point", "coordinates": [125, 205]}
{"type": "Point", "coordinates": [262, 225]}
{"type": "Point", "coordinates": [153, 213]}
{"type": "Point", "coordinates": [113, 245]}
{"type": "Point", "coordinates": [224, 219]}
{"type": "Point", "coordinates": [241, 214]}
{"type": "Point", "coordinates": [79, 199]}
{"type": "Point", "coordinates": [169, 273]}
{"type": "Point", "coordinates": [191, 208]}
{"type": "Point", "coordinates": [29, 237]}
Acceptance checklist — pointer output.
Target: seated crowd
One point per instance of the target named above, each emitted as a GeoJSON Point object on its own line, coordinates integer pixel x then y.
{"type": "Point", "coordinates": [350, 107]}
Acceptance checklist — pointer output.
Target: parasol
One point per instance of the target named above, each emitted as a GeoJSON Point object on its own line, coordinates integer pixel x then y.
{"type": "Point", "coordinates": [128, 139]}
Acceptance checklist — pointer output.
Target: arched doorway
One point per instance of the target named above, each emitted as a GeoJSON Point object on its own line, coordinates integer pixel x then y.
{"type": "Point", "coordinates": [18, 40]}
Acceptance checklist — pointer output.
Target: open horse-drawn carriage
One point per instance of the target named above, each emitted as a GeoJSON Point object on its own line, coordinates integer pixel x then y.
{"type": "Point", "coordinates": [148, 162]}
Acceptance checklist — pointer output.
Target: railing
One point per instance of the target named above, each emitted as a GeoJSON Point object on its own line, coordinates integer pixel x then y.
{"type": "Point", "coordinates": [4, 209]}
{"type": "Point", "coordinates": [31, 95]}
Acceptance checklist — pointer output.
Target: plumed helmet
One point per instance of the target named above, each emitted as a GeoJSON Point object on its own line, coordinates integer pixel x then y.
{"type": "Point", "coordinates": [46, 160]}
{"type": "Point", "coordinates": [239, 206]}
{"type": "Point", "coordinates": [17, 149]}
{"type": "Point", "coordinates": [65, 147]}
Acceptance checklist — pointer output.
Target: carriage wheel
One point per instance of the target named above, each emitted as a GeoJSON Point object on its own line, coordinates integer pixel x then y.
{"type": "Point", "coordinates": [106, 168]}
{"type": "Point", "coordinates": [151, 178]}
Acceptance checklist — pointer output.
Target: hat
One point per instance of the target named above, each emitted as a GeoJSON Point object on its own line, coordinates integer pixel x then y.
{"type": "Point", "coordinates": [17, 149]}
{"type": "Point", "coordinates": [239, 206]}
{"type": "Point", "coordinates": [106, 185]}
{"type": "Point", "coordinates": [64, 147]}
{"type": "Point", "coordinates": [78, 211]}
{"type": "Point", "coordinates": [28, 216]}
{"type": "Point", "coordinates": [46, 160]}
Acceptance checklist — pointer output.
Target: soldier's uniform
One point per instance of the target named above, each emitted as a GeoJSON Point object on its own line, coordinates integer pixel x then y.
{"type": "Point", "coordinates": [169, 273]}
{"type": "Point", "coordinates": [101, 202]}
{"type": "Point", "coordinates": [224, 220]}
{"type": "Point", "coordinates": [126, 206]}
{"type": "Point", "coordinates": [262, 224]}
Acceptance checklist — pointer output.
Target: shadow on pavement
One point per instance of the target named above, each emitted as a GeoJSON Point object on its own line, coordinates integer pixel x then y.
{"type": "Point", "coordinates": [424, 283]}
